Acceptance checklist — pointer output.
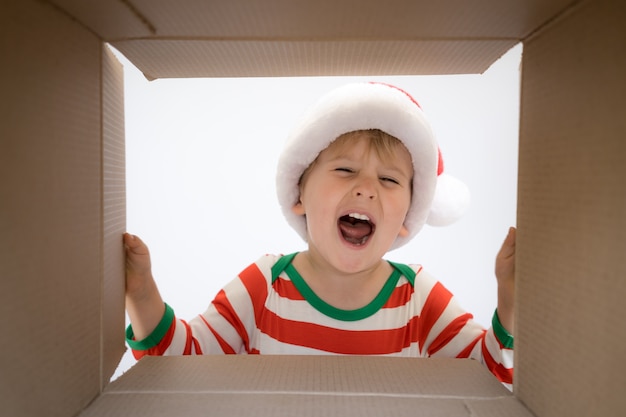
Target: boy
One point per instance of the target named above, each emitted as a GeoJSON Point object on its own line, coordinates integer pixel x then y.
{"type": "Point", "coordinates": [359, 176]}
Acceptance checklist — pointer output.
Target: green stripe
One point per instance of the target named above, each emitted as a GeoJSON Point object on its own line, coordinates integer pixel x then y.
{"type": "Point", "coordinates": [281, 264]}
{"type": "Point", "coordinates": [405, 270]}
{"type": "Point", "coordinates": [336, 313]}
{"type": "Point", "coordinates": [157, 334]}
{"type": "Point", "coordinates": [501, 333]}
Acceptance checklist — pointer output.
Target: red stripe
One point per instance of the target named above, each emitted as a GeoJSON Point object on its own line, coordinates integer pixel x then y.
{"type": "Point", "coordinates": [465, 353]}
{"type": "Point", "coordinates": [501, 372]}
{"type": "Point", "coordinates": [256, 285]}
{"type": "Point", "coordinates": [435, 304]}
{"type": "Point", "coordinates": [226, 310]}
{"type": "Point", "coordinates": [197, 347]}
{"type": "Point", "coordinates": [448, 333]}
{"type": "Point", "coordinates": [400, 296]}
{"type": "Point", "coordinates": [285, 289]}
{"type": "Point", "coordinates": [349, 342]}
{"type": "Point", "coordinates": [226, 348]}
{"type": "Point", "coordinates": [190, 341]}
{"type": "Point", "coordinates": [187, 349]}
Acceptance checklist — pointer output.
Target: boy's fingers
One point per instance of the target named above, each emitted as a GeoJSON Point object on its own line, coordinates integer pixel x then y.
{"type": "Point", "coordinates": [130, 240]}
{"type": "Point", "coordinates": [511, 236]}
{"type": "Point", "coordinates": [508, 246]}
{"type": "Point", "coordinates": [135, 244]}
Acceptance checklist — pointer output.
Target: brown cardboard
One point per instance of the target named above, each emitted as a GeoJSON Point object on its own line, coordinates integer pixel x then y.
{"type": "Point", "coordinates": [62, 192]}
{"type": "Point", "coordinates": [572, 194]}
{"type": "Point", "coordinates": [303, 385]}
{"type": "Point", "coordinates": [62, 318]}
{"type": "Point", "coordinates": [113, 214]}
{"type": "Point", "coordinates": [324, 37]}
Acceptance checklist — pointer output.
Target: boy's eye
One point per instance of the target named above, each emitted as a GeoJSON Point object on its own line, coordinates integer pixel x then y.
{"type": "Point", "coordinates": [389, 179]}
{"type": "Point", "coordinates": [344, 169]}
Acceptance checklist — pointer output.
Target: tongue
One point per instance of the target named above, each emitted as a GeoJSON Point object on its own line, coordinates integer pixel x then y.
{"type": "Point", "coordinates": [354, 232]}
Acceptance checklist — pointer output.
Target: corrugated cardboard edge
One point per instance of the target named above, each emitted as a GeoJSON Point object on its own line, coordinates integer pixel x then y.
{"type": "Point", "coordinates": [311, 57]}
{"type": "Point", "coordinates": [113, 213]}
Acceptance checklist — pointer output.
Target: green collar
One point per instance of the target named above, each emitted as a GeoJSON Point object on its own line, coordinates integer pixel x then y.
{"type": "Point", "coordinates": [285, 264]}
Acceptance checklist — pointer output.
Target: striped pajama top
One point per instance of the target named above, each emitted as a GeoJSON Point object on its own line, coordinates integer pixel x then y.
{"type": "Point", "coordinates": [269, 309]}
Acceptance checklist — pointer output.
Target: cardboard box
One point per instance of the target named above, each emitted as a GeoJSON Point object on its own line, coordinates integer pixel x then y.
{"type": "Point", "coordinates": [62, 193]}
{"type": "Point", "coordinates": [275, 385]}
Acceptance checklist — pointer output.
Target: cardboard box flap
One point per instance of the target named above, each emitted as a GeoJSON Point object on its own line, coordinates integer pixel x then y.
{"type": "Point", "coordinates": [335, 374]}
{"type": "Point", "coordinates": [571, 336]}
{"type": "Point", "coordinates": [113, 214]}
{"type": "Point", "coordinates": [285, 38]}
{"type": "Point", "coordinates": [62, 193]}
{"type": "Point", "coordinates": [108, 19]}
{"type": "Point", "coordinates": [251, 58]}
{"type": "Point", "coordinates": [304, 385]}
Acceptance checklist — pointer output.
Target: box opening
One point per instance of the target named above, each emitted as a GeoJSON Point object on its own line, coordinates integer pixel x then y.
{"type": "Point", "coordinates": [192, 145]}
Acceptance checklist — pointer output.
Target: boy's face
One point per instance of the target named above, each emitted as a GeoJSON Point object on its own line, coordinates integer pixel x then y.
{"type": "Point", "coordinates": [355, 202]}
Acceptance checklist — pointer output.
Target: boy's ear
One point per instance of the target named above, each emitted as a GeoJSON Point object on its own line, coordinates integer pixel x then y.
{"type": "Point", "coordinates": [298, 208]}
{"type": "Point", "coordinates": [404, 232]}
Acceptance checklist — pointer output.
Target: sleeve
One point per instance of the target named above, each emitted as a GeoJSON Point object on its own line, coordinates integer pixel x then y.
{"type": "Point", "coordinates": [226, 326]}
{"type": "Point", "coordinates": [450, 331]}
{"type": "Point", "coordinates": [497, 351]}
{"type": "Point", "coordinates": [170, 337]}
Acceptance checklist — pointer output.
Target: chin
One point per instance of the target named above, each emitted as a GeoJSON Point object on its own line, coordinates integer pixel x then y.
{"type": "Point", "coordinates": [358, 258]}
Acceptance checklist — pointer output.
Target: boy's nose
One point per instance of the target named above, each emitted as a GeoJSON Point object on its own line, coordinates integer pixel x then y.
{"type": "Point", "coordinates": [365, 188]}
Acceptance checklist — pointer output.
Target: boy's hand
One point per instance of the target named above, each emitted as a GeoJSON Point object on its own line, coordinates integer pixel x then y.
{"type": "Point", "coordinates": [505, 261]}
{"type": "Point", "coordinates": [144, 304]}
{"type": "Point", "coordinates": [138, 265]}
{"type": "Point", "coordinates": [505, 274]}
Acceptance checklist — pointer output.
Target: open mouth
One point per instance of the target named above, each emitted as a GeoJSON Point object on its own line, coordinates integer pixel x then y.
{"type": "Point", "coordinates": [356, 228]}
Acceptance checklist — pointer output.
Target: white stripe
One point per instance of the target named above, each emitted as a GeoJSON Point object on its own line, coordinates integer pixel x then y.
{"type": "Point", "coordinates": [502, 356]}
{"type": "Point", "coordinates": [469, 332]}
{"type": "Point", "coordinates": [384, 319]}
{"type": "Point", "coordinates": [302, 311]}
{"type": "Point", "coordinates": [208, 342]}
{"type": "Point", "coordinates": [238, 296]}
{"type": "Point", "coordinates": [177, 346]}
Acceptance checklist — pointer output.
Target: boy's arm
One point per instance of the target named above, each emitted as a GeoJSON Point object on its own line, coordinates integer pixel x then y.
{"type": "Point", "coordinates": [144, 304]}
{"type": "Point", "coordinates": [505, 274]}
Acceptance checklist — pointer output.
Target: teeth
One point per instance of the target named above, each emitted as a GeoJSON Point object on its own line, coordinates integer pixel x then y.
{"type": "Point", "coordinates": [359, 216]}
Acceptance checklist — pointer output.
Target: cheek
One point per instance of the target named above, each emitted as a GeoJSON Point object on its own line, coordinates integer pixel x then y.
{"type": "Point", "coordinates": [319, 204]}
{"type": "Point", "coordinates": [401, 206]}
{"type": "Point", "coordinates": [310, 203]}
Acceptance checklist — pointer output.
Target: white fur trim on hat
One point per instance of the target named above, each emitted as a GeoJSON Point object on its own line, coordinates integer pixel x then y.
{"type": "Point", "coordinates": [363, 106]}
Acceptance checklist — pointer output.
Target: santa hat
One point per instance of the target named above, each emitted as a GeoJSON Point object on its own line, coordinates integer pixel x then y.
{"type": "Point", "coordinates": [438, 198]}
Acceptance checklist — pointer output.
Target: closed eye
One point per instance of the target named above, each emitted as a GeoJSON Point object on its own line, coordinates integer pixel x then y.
{"type": "Point", "coordinates": [344, 169]}
{"type": "Point", "coordinates": [390, 179]}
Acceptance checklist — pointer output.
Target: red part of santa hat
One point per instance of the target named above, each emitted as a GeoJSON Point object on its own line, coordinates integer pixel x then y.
{"type": "Point", "coordinates": [438, 198]}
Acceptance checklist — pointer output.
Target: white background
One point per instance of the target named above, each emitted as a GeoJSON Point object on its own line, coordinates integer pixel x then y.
{"type": "Point", "coordinates": [201, 156]}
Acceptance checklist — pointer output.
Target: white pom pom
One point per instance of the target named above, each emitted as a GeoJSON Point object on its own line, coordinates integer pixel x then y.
{"type": "Point", "coordinates": [452, 198]}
